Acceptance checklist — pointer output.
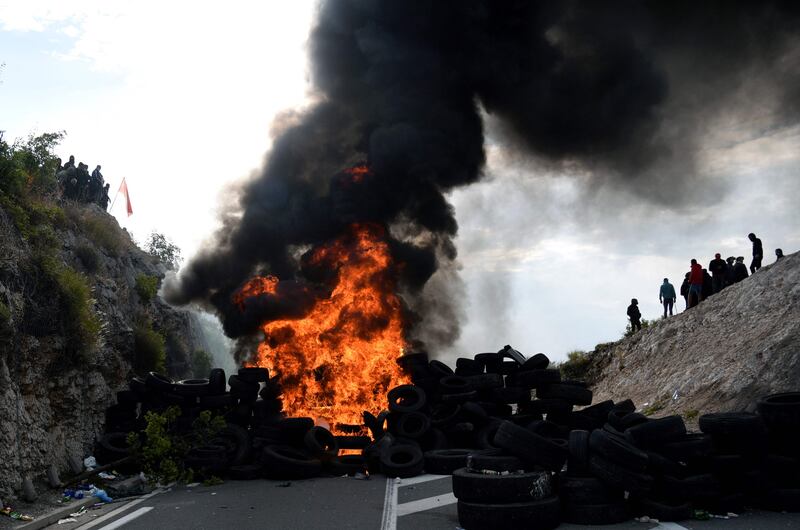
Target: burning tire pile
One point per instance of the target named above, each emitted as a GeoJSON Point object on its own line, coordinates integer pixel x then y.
{"type": "Point", "coordinates": [516, 460]}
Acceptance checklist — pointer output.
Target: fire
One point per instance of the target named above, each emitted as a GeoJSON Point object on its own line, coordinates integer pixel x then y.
{"type": "Point", "coordinates": [358, 173]}
{"type": "Point", "coordinates": [339, 359]}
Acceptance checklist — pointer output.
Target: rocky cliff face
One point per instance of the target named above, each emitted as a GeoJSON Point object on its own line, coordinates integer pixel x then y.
{"type": "Point", "coordinates": [53, 397]}
{"type": "Point", "coordinates": [737, 345]}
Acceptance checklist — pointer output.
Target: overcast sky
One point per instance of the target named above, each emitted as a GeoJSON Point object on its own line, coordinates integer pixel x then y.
{"type": "Point", "coordinates": [178, 98]}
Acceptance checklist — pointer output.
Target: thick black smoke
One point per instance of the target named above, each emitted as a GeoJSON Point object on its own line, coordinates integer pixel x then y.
{"type": "Point", "coordinates": [401, 85]}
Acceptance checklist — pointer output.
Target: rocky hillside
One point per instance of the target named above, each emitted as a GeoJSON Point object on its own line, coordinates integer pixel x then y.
{"type": "Point", "coordinates": [721, 355]}
{"type": "Point", "coordinates": [79, 314]}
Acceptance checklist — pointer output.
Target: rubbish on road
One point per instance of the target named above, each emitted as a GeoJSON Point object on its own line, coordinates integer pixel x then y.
{"type": "Point", "coordinates": [107, 476]}
{"type": "Point", "coordinates": [100, 494]}
{"type": "Point", "coordinates": [702, 515]}
{"type": "Point", "coordinates": [79, 513]}
{"type": "Point", "coordinates": [89, 463]}
{"type": "Point", "coordinates": [8, 512]}
{"type": "Point", "coordinates": [67, 520]}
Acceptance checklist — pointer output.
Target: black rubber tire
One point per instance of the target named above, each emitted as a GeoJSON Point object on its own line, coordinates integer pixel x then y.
{"type": "Point", "coordinates": [781, 412]}
{"type": "Point", "coordinates": [244, 472]}
{"type": "Point", "coordinates": [511, 394]}
{"type": "Point", "coordinates": [445, 461]}
{"type": "Point", "coordinates": [659, 465]}
{"type": "Point", "coordinates": [412, 425]}
{"type": "Point", "coordinates": [438, 369]}
{"type": "Point", "coordinates": [287, 463]}
{"type": "Point", "coordinates": [406, 398]}
{"type": "Point", "coordinates": [690, 446]}
{"type": "Point", "coordinates": [137, 385]}
{"type": "Point", "coordinates": [217, 401]}
{"type": "Point", "coordinates": [402, 461]}
{"type": "Point", "coordinates": [270, 390]}
{"type": "Point", "coordinates": [570, 393]}
{"type": "Point", "coordinates": [484, 438]}
{"type": "Point", "coordinates": [531, 447]}
{"type": "Point", "coordinates": [581, 421]}
{"type": "Point", "coordinates": [631, 420]}
{"type": "Point", "coordinates": [548, 429]}
{"type": "Point", "coordinates": [587, 490]}
{"type": "Point", "coordinates": [615, 418]}
{"type": "Point", "coordinates": [465, 367]}
{"type": "Point", "coordinates": [694, 487]}
{"type": "Point", "coordinates": [445, 414]}
{"type": "Point", "coordinates": [618, 476]}
{"type": "Point", "coordinates": [411, 360]}
{"type": "Point", "coordinates": [599, 411]}
{"type": "Point", "coordinates": [460, 397]}
{"type": "Point", "coordinates": [538, 361]}
{"type": "Point", "coordinates": [656, 432]}
{"type": "Point", "coordinates": [535, 378]}
{"type": "Point", "coordinates": [193, 387]}
{"type": "Point", "coordinates": [731, 423]}
{"type": "Point", "coordinates": [254, 374]}
{"type": "Point", "coordinates": [507, 368]}
{"type": "Point", "coordinates": [216, 381]}
{"type": "Point", "coordinates": [490, 488]}
{"type": "Point", "coordinates": [158, 382]}
{"type": "Point", "coordinates": [663, 511]}
{"type": "Point", "coordinates": [352, 442]}
{"type": "Point", "coordinates": [453, 384]}
{"type": "Point", "coordinates": [493, 462]}
{"type": "Point", "coordinates": [321, 443]}
{"type": "Point", "coordinates": [626, 405]}
{"type": "Point", "coordinates": [242, 388]}
{"type": "Point", "coordinates": [112, 446]}
{"type": "Point", "coordinates": [535, 515]}
{"type": "Point", "coordinates": [207, 459]}
{"type": "Point", "coordinates": [578, 460]}
{"type": "Point", "coordinates": [348, 465]}
{"type": "Point", "coordinates": [485, 381]}
{"type": "Point", "coordinates": [595, 514]}
{"type": "Point", "coordinates": [618, 451]}
{"type": "Point", "coordinates": [239, 441]}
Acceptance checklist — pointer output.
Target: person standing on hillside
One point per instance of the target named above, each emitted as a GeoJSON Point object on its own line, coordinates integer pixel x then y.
{"type": "Point", "coordinates": [635, 315]}
{"type": "Point", "coordinates": [717, 267]}
{"type": "Point", "coordinates": [778, 254]}
{"type": "Point", "coordinates": [685, 290]}
{"type": "Point", "coordinates": [666, 295]}
{"type": "Point", "coordinates": [729, 275]}
{"type": "Point", "coordinates": [758, 253]}
{"type": "Point", "coordinates": [695, 283]}
{"type": "Point", "coordinates": [739, 270]}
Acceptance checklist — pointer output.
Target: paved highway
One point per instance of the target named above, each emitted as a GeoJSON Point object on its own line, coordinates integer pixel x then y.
{"type": "Point", "coordinates": [420, 503]}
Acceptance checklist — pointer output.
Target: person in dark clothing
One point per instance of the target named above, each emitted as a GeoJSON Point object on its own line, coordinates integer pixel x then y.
{"type": "Point", "coordinates": [635, 315]}
{"type": "Point", "coordinates": [83, 181]}
{"type": "Point", "coordinates": [695, 283]}
{"type": "Point", "coordinates": [717, 268]}
{"type": "Point", "coordinates": [666, 295]}
{"type": "Point", "coordinates": [739, 270]}
{"type": "Point", "coordinates": [104, 198]}
{"type": "Point", "coordinates": [708, 284]}
{"type": "Point", "coordinates": [778, 254]}
{"type": "Point", "coordinates": [70, 163]}
{"type": "Point", "coordinates": [729, 276]}
{"type": "Point", "coordinates": [758, 252]}
{"type": "Point", "coordinates": [685, 290]}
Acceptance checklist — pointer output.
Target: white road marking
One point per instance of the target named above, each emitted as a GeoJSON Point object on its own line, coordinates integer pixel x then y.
{"type": "Point", "coordinates": [671, 526]}
{"type": "Point", "coordinates": [389, 519]}
{"type": "Point", "coordinates": [114, 513]}
{"type": "Point", "coordinates": [128, 518]}
{"type": "Point", "coordinates": [419, 479]}
{"type": "Point", "coordinates": [425, 504]}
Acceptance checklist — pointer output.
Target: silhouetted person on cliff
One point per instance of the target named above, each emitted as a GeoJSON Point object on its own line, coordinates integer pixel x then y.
{"type": "Point", "coordinates": [70, 163]}
{"type": "Point", "coordinates": [685, 290]}
{"type": "Point", "coordinates": [729, 275]}
{"type": "Point", "coordinates": [758, 252]}
{"type": "Point", "coordinates": [635, 315]}
{"type": "Point", "coordinates": [695, 283]}
{"type": "Point", "coordinates": [708, 284]}
{"type": "Point", "coordinates": [739, 270]}
{"type": "Point", "coordinates": [717, 268]}
{"type": "Point", "coordinates": [666, 295]}
{"type": "Point", "coordinates": [95, 185]}
{"type": "Point", "coordinates": [104, 198]}
{"type": "Point", "coordinates": [778, 254]}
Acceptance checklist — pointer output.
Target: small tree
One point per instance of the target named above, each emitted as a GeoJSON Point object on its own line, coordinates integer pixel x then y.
{"type": "Point", "coordinates": [161, 247]}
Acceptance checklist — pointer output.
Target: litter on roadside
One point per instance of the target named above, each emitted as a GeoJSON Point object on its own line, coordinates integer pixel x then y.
{"type": "Point", "coordinates": [8, 512]}
{"type": "Point", "coordinates": [67, 520]}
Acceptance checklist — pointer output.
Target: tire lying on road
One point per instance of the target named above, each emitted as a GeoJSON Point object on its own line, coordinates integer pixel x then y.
{"type": "Point", "coordinates": [534, 515]}
{"type": "Point", "coordinates": [285, 462]}
{"type": "Point", "coordinates": [484, 488]}
{"type": "Point", "coordinates": [402, 461]}
{"type": "Point", "coordinates": [446, 461]}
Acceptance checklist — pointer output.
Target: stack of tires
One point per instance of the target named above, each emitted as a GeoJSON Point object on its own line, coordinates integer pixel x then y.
{"type": "Point", "coordinates": [781, 415]}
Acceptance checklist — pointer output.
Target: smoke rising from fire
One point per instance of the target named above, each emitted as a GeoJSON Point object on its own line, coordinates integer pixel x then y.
{"type": "Point", "coordinates": [618, 89]}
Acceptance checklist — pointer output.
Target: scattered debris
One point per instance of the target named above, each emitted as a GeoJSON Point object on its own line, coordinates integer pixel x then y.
{"type": "Point", "coordinates": [8, 512]}
{"type": "Point", "coordinates": [67, 520]}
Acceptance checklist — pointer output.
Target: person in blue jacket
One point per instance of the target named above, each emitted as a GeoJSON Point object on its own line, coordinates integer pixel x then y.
{"type": "Point", "coordinates": [666, 295]}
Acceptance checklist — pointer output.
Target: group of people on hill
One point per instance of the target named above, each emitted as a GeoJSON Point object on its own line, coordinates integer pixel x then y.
{"type": "Point", "coordinates": [77, 184]}
{"type": "Point", "coordinates": [698, 284]}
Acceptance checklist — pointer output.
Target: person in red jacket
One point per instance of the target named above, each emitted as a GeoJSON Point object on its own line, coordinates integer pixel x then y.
{"type": "Point", "coordinates": [695, 283]}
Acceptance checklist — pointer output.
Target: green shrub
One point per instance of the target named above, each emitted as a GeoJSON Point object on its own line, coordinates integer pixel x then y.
{"type": "Point", "coordinates": [164, 450]}
{"type": "Point", "coordinates": [103, 230]}
{"type": "Point", "coordinates": [149, 349]}
{"type": "Point", "coordinates": [81, 324]}
{"type": "Point", "coordinates": [146, 287]}
{"type": "Point", "coordinates": [201, 364]}
{"type": "Point", "coordinates": [645, 324]}
{"type": "Point", "coordinates": [576, 366]}
{"type": "Point", "coordinates": [88, 258]}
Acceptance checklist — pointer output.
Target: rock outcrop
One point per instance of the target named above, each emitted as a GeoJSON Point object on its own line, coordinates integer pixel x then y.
{"type": "Point", "coordinates": [52, 398]}
{"type": "Point", "coordinates": [737, 345]}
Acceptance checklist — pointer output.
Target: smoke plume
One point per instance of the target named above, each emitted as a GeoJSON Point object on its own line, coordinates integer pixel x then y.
{"type": "Point", "coordinates": [618, 88]}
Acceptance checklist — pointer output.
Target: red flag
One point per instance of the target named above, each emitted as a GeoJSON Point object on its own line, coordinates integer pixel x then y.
{"type": "Point", "coordinates": [123, 188]}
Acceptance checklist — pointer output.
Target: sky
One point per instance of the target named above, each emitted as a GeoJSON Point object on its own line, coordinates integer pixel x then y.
{"type": "Point", "coordinates": [178, 98]}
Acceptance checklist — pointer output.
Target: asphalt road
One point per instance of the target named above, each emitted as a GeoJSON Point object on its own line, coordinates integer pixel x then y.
{"type": "Point", "coordinates": [421, 503]}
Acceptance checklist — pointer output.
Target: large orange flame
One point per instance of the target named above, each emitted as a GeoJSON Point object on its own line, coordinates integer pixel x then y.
{"type": "Point", "coordinates": [339, 360]}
